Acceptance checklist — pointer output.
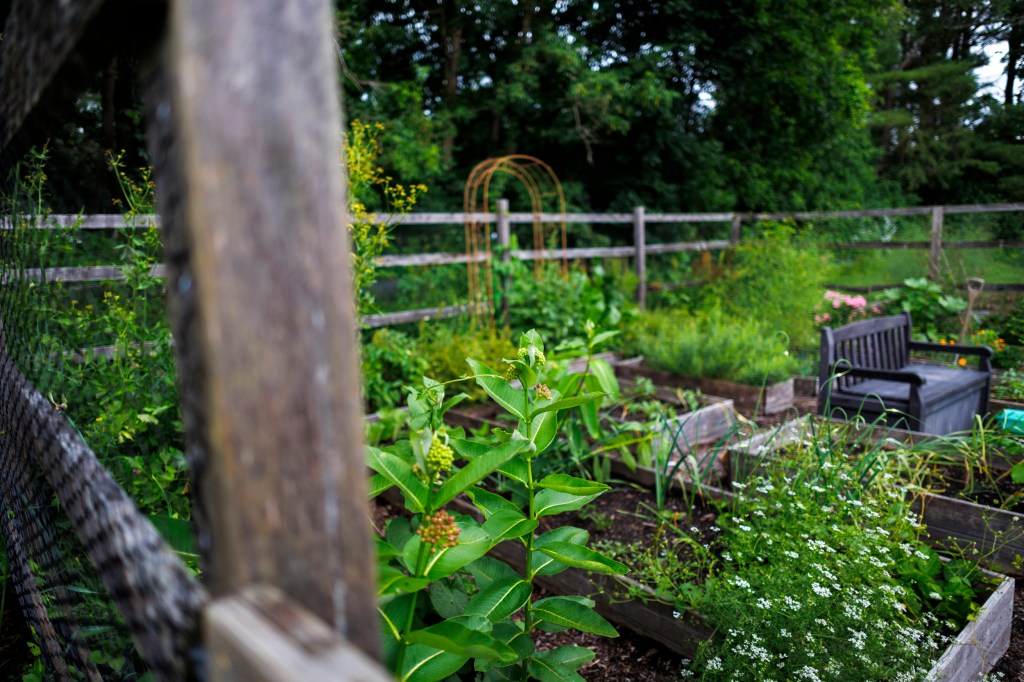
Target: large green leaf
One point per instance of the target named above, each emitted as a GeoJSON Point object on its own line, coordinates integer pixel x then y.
{"type": "Point", "coordinates": [572, 612]}
{"type": "Point", "coordinates": [543, 430]}
{"type": "Point", "coordinates": [512, 400]}
{"type": "Point", "coordinates": [546, 565]}
{"type": "Point", "coordinates": [487, 570]}
{"type": "Point", "coordinates": [578, 556]}
{"type": "Point", "coordinates": [600, 338]}
{"type": "Point", "coordinates": [560, 664]}
{"type": "Point", "coordinates": [390, 581]}
{"type": "Point", "coordinates": [456, 638]}
{"type": "Point", "coordinates": [605, 376]}
{"type": "Point", "coordinates": [399, 472]}
{"type": "Point", "coordinates": [548, 502]}
{"type": "Point", "coordinates": [489, 503]}
{"type": "Point", "coordinates": [424, 663]}
{"type": "Point", "coordinates": [565, 483]}
{"type": "Point", "coordinates": [517, 469]}
{"type": "Point", "coordinates": [378, 484]}
{"type": "Point", "coordinates": [395, 613]}
{"type": "Point", "coordinates": [500, 599]}
{"type": "Point", "coordinates": [507, 524]}
{"type": "Point", "coordinates": [448, 597]}
{"type": "Point", "coordinates": [475, 469]}
{"type": "Point", "coordinates": [588, 413]}
{"type": "Point", "coordinates": [177, 533]}
{"type": "Point", "coordinates": [513, 635]}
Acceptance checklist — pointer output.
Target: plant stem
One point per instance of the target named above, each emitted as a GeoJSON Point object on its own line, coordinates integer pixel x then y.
{"type": "Point", "coordinates": [421, 559]}
{"type": "Point", "coordinates": [527, 612]}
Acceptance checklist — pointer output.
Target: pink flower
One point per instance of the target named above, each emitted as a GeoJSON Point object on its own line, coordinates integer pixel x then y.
{"type": "Point", "coordinates": [856, 301]}
{"type": "Point", "coordinates": [836, 303]}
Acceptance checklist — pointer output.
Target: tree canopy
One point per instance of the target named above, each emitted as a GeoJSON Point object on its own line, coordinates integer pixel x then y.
{"type": "Point", "coordinates": [697, 105]}
{"type": "Point", "coordinates": [677, 105]}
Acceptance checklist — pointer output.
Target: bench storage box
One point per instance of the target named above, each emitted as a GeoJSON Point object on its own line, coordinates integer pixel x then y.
{"type": "Point", "coordinates": [866, 372]}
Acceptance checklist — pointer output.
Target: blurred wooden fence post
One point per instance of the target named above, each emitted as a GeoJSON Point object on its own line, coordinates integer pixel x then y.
{"type": "Point", "coordinates": [639, 239]}
{"type": "Point", "coordinates": [245, 135]}
{"type": "Point", "coordinates": [935, 258]}
{"type": "Point", "coordinates": [734, 231]}
{"type": "Point", "coordinates": [504, 243]}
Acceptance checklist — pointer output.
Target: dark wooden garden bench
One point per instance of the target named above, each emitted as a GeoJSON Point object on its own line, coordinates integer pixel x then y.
{"type": "Point", "coordinates": [866, 371]}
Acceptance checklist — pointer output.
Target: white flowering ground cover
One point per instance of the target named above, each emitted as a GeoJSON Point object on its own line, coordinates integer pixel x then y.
{"type": "Point", "coordinates": [812, 576]}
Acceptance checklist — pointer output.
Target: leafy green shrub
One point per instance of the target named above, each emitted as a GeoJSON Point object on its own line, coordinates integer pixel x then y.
{"type": "Point", "coordinates": [711, 346]}
{"type": "Point", "coordinates": [1012, 324]}
{"type": "Point", "coordinates": [1010, 385]}
{"type": "Point", "coordinates": [775, 281]}
{"type": "Point", "coordinates": [932, 311]}
{"type": "Point", "coordinates": [557, 306]}
{"type": "Point", "coordinates": [391, 361]}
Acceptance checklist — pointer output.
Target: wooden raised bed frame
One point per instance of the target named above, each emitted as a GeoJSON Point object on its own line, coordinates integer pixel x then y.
{"type": "Point", "coordinates": [975, 651]}
{"type": "Point", "coordinates": [771, 399]}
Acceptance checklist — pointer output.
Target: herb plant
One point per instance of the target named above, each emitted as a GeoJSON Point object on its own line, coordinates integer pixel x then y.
{"type": "Point", "coordinates": [711, 345]}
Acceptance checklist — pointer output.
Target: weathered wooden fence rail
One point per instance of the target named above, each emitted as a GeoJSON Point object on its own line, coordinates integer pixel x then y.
{"type": "Point", "coordinates": [639, 219]}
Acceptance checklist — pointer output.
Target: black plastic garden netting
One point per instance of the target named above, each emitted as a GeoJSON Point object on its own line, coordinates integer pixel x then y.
{"type": "Point", "coordinates": [90, 444]}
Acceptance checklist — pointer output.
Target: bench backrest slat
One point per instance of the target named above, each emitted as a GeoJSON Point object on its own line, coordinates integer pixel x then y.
{"type": "Point", "coordinates": [878, 343]}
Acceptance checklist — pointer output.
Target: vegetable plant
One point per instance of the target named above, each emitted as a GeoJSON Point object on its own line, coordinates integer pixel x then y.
{"type": "Point", "coordinates": [482, 608]}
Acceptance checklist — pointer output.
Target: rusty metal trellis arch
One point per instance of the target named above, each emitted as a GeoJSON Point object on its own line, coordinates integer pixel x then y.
{"type": "Point", "coordinates": [540, 183]}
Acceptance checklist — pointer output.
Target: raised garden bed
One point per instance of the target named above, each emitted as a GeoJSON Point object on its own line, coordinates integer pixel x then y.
{"type": "Point", "coordinates": [771, 399]}
{"type": "Point", "coordinates": [710, 423]}
{"type": "Point", "coordinates": [996, 535]}
{"type": "Point", "coordinates": [974, 652]}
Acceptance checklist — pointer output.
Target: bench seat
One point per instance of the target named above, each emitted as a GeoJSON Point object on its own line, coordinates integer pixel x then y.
{"type": "Point", "coordinates": [865, 373]}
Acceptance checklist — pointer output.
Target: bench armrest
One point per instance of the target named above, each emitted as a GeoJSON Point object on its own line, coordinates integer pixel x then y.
{"type": "Point", "coordinates": [844, 369]}
{"type": "Point", "coordinates": [982, 351]}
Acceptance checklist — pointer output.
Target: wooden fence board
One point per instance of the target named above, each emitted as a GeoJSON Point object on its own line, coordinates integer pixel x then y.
{"type": "Point", "coordinates": [252, 192]}
{"type": "Point", "coordinates": [259, 635]}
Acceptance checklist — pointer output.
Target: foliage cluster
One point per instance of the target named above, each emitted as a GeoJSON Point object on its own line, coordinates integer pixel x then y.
{"type": "Point", "coordinates": [774, 280]}
{"type": "Point", "coordinates": [815, 570]}
{"type": "Point", "coordinates": [438, 556]}
{"type": "Point", "coordinates": [711, 345]}
{"type": "Point", "coordinates": [1010, 386]}
{"type": "Point", "coordinates": [369, 185]}
{"type": "Point", "coordinates": [558, 304]}
{"type": "Point", "coordinates": [932, 311]}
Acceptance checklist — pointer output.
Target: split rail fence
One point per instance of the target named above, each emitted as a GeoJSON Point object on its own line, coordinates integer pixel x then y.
{"type": "Point", "coordinates": [639, 250]}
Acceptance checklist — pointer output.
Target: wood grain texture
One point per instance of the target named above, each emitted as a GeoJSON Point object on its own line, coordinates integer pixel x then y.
{"type": "Point", "coordinates": [262, 274]}
{"type": "Point", "coordinates": [259, 635]}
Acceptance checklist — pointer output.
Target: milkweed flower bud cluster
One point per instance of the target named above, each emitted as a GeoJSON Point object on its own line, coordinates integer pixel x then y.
{"type": "Point", "coordinates": [543, 391]}
{"type": "Point", "coordinates": [523, 354]}
{"type": "Point", "coordinates": [440, 456]}
{"type": "Point", "coordinates": [439, 529]}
